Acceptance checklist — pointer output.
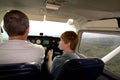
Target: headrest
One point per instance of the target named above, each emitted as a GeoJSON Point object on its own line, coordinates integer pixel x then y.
{"type": "Point", "coordinates": [19, 71]}
{"type": "Point", "coordinates": [81, 69]}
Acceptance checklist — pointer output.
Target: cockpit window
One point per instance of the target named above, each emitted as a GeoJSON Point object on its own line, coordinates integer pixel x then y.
{"type": "Point", "coordinates": [99, 44]}
{"type": "Point", "coordinates": [49, 28]}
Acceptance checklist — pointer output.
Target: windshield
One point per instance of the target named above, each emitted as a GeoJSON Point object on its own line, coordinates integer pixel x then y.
{"type": "Point", "coordinates": [48, 28]}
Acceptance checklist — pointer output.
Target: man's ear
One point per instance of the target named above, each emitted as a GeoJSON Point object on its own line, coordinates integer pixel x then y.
{"type": "Point", "coordinates": [27, 30]}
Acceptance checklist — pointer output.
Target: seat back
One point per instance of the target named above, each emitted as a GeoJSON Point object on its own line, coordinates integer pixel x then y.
{"type": "Point", "coordinates": [20, 71]}
{"type": "Point", "coordinates": [81, 69]}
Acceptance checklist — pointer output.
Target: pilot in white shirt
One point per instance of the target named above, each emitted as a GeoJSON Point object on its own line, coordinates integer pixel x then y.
{"type": "Point", "coordinates": [17, 49]}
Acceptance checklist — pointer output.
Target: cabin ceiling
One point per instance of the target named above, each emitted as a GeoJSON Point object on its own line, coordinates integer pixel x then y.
{"type": "Point", "coordinates": [76, 9]}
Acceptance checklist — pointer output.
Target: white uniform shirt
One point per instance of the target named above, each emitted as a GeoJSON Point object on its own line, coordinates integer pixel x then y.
{"type": "Point", "coordinates": [17, 51]}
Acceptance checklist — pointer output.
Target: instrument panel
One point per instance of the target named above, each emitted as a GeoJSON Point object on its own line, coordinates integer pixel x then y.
{"type": "Point", "coordinates": [48, 42]}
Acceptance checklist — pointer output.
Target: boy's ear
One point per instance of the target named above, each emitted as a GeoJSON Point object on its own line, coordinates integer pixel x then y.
{"type": "Point", "coordinates": [68, 43]}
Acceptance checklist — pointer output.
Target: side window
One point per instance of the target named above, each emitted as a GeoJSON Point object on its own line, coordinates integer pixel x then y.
{"type": "Point", "coordinates": [99, 44]}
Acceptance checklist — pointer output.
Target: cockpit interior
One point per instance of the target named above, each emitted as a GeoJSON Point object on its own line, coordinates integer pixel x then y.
{"type": "Point", "coordinates": [97, 22]}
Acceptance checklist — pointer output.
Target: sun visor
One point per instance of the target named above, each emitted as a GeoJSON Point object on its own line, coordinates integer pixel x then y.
{"type": "Point", "coordinates": [56, 19]}
{"type": "Point", "coordinates": [109, 23]}
{"type": "Point", "coordinates": [36, 17]}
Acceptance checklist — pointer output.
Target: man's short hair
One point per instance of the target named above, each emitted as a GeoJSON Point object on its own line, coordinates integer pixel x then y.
{"type": "Point", "coordinates": [15, 23]}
